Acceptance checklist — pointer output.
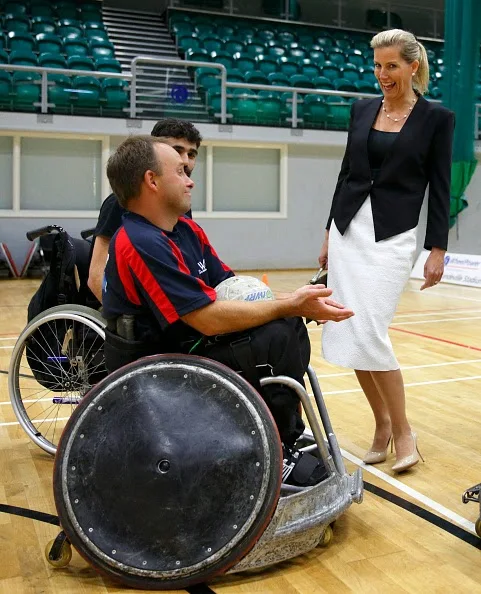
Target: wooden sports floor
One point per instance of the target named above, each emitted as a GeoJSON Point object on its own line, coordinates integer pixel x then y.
{"type": "Point", "coordinates": [412, 533]}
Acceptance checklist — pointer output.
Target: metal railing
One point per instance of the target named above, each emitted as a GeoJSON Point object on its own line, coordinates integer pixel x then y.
{"type": "Point", "coordinates": [44, 82]}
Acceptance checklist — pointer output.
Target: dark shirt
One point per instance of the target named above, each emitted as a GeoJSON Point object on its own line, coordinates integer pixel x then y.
{"type": "Point", "coordinates": [160, 276]}
{"type": "Point", "coordinates": [378, 144]}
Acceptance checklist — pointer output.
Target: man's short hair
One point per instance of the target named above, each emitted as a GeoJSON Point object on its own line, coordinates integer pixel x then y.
{"type": "Point", "coordinates": [174, 128]}
{"type": "Point", "coordinates": [127, 166]}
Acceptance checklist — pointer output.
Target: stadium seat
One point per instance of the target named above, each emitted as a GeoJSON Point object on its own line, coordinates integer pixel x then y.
{"type": "Point", "coordinates": [59, 93]}
{"type": "Point", "coordinates": [211, 43]}
{"type": "Point", "coordinates": [86, 92]}
{"type": "Point", "coordinates": [233, 47]}
{"type": "Point", "coordinates": [48, 43]}
{"type": "Point", "coordinates": [214, 102]}
{"type": "Point", "coordinates": [256, 78]}
{"type": "Point", "coordinates": [364, 86]}
{"type": "Point", "coordinates": [244, 107]}
{"type": "Point", "coordinates": [26, 90]}
{"type": "Point", "coordinates": [317, 56]}
{"type": "Point", "coordinates": [288, 66]}
{"type": "Point", "coordinates": [269, 108]}
{"type": "Point", "coordinates": [14, 8]}
{"type": "Point", "coordinates": [66, 26]}
{"type": "Point", "coordinates": [343, 84]}
{"type": "Point", "coordinates": [19, 58]}
{"type": "Point", "coordinates": [80, 63]}
{"type": "Point", "coordinates": [276, 51]}
{"type": "Point", "coordinates": [41, 24]}
{"type": "Point", "coordinates": [225, 31]}
{"type": "Point", "coordinates": [22, 42]}
{"type": "Point", "coordinates": [351, 72]}
{"type": "Point", "coordinates": [223, 58]}
{"type": "Point", "coordinates": [325, 42]}
{"type": "Point", "coordinates": [3, 57]}
{"type": "Point", "coordinates": [309, 68]}
{"type": "Point", "coordinates": [355, 56]}
{"type": "Point", "coordinates": [108, 65]}
{"type": "Point", "coordinates": [266, 35]}
{"type": "Point", "coordinates": [207, 78]}
{"type": "Point", "coordinates": [254, 49]}
{"type": "Point", "coordinates": [53, 60]}
{"type": "Point", "coordinates": [339, 111]}
{"type": "Point", "coordinates": [330, 70]}
{"type": "Point", "coordinates": [102, 49]}
{"type": "Point", "coordinates": [76, 47]}
{"type": "Point", "coordinates": [18, 23]}
{"type": "Point", "coordinates": [42, 9]}
{"type": "Point", "coordinates": [299, 80]}
{"type": "Point", "coordinates": [66, 10]}
{"type": "Point", "coordinates": [5, 89]}
{"type": "Point", "coordinates": [244, 62]}
{"type": "Point", "coordinates": [184, 42]}
{"type": "Point", "coordinates": [95, 34]}
{"type": "Point", "coordinates": [286, 37]}
{"type": "Point", "coordinates": [336, 56]}
{"type": "Point", "coordinates": [296, 53]}
{"type": "Point", "coordinates": [266, 64]}
{"type": "Point", "coordinates": [315, 110]}
{"type": "Point", "coordinates": [114, 94]}
{"type": "Point", "coordinates": [89, 25]}
{"type": "Point", "coordinates": [322, 82]}
{"type": "Point", "coordinates": [235, 75]}
{"type": "Point", "coordinates": [278, 79]}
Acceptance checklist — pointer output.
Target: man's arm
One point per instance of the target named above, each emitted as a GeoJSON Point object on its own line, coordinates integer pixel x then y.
{"type": "Point", "coordinates": [223, 317]}
{"type": "Point", "coordinates": [97, 265]}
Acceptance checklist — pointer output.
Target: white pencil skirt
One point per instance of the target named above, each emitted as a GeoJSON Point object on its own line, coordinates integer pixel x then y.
{"type": "Point", "coordinates": [367, 277]}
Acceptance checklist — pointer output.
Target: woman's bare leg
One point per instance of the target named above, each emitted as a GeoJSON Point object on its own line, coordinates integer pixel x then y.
{"type": "Point", "coordinates": [380, 410]}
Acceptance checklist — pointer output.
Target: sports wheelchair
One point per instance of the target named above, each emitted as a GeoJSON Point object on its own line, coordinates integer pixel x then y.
{"type": "Point", "coordinates": [169, 473]}
{"type": "Point", "coordinates": [59, 355]}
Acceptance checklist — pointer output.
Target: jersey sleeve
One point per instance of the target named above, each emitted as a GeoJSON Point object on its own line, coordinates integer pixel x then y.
{"type": "Point", "coordinates": [110, 217]}
{"type": "Point", "coordinates": [153, 270]}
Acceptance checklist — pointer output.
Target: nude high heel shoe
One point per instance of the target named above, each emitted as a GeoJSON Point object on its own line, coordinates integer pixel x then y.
{"type": "Point", "coordinates": [375, 457]}
{"type": "Point", "coordinates": [410, 460]}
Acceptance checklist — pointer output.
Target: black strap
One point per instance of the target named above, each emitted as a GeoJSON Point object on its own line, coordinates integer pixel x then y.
{"type": "Point", "coordinates": [242, 352]}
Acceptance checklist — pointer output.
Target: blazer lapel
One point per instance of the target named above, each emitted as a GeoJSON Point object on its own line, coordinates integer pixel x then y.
{"type": "Point", "coordinates": [367, 122]}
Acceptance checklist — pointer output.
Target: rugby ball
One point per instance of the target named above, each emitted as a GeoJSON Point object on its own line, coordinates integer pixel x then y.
{"type": "Point", "coordinates": [243, 288]}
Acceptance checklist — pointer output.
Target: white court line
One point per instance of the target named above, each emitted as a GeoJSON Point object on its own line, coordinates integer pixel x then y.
{"type": "Point", "coordinates": [448, 295]}
{"type": "Point", "coordinates": [464, 362]}
{"type": "Point", "coordinates": [36, 421]}
{"type": "Point", "coordinates": [7, 347]}
{"type": "Point", "coordinates": [9, 337]}
{"type": "Point", "coordinates": [434, 321]}
{"type": "Point", "coordinates": [427, 501]}
{"type": "Point", "coordinates": [437, 313]}
{"type": "Point", "coordinates": [411, 385]}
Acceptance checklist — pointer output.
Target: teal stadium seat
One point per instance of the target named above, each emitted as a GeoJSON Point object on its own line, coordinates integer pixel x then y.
{"type": "Point", "coordinates": [60, 93]}
{"type": "Point", "coordinates": [336, 56]}
{"type": "Point", "coordinates": [207, 78]}
{"type": "Point", "coordinates": [5, 89]}
{"type": "Point", "coordinates": [276, 51]}
{"type": "Point", "coordinates": [244, 107]}
{"type": "Point", "coordinates": [48, 43]}
{"type": "Point", "coordinates": [233, 47]}
{"type": "Point", "coordinates": [22, 42]}
{"type": "Point", "coordinates": [115, 96]}
{"type": "Point", "coordinates": [66, 10]}
{"type": "Point", "coordinates": [67, 26]}
{"type": "Point", "coordinates": [324, 83]}
{"type": "Point", "coordinates": [223, 58]}
{"type": "Point", "coordinates": [197, 55]}
{"type": "Point", "coordinates": [364, 86]}
{"type": "Point", "coordinates": [339, 111]}
{"type": "Point", "coordinates": [185, 42]}
{"type": "Point", "coordinates": [266, 35]}
{"type": "Point", "coordinates": [244, 62]}
{"type": "Point", "coordinates": [80, 63]}
{"type": "Point", "coordinates": [26, 90]}
{"type": "Point", "coordinates": [16, 8]}
{"type": "Point", "coordinates": [214, 103]}
{"type": "Point", "coordinates": [56, 60]}
{"type": "Point", "coordinates": [288, 66]}
{"type": "Point", "coordinates": [310, 69]}
{"type": "Point", "coordinates": [355, 56]}
{"type": "Point", "coordinates": [108, 65]}
{"type": "Point", "coordinates": [211, 43]}
{"type": "Point", "coordinates": [90, 25]}
{"type": "Point", "coordinates": [315, 111]}
{"type": "Point", "coordinates": [86, 93]}
{"type": "Point", "coordinates": [317, 56]}
{"type": "Point", "coordinates": [76, 47]}
{"type": "Point", "coordinates": [351, 72]}
{"type": "Point", "coordinates": [41, 9]}
{"type": "Point", "coordinates": [254, 49]}
{"type": "Point", "coordinates": [90, 11]}
{"type": "Point", "coordinates": [256, 78]}
{"type": "Point", "coordinates": [225, 32]}
{"type": "Point", "coordinates": [102, 49]}
{"type": "Point", "coordinates": [18, 23]}
{"type": "Point", "coordinates": [204, 29]}
{"type": "Point", "coordinates": [19, 58]}
{"type": "Point", "coordinates": [325, 42]}
{"type": "Point", "coordinates": [269, 108]}
{"type": "Point", "coordinates": [235, 75]}
{"type": "Point", "coordinates": [286, 37]}
{"type": "Point", "coordinates": [342, 43]}
{"type": "Point", "coordinates": [278, 79]}
{"type": "Point", "coordinates": [296, 53]}
{"type": "Point", "coordinates": [3, 42]}
{"type": "Point", "coordinates": [96, 34]}
{"type": "Point", "coordinates": [330, 70]}
{"type": "Point", "coordinates": [3, 57]}
{"type": "Point", "coordinates": [41, 24]}
{"type": "Point", "coordinates": [266, 64]}
{"type": "Point", "coordinates": [302, 81]}
{"type": "Point", "coordinates": [342, 84]}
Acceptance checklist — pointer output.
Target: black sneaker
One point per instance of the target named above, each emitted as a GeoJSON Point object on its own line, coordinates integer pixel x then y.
{"type": "Point", "coordinates": [302, 469]}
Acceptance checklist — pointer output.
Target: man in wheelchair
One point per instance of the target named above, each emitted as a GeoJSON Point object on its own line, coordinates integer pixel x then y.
{"type": "Point", "coordinates": [159, 294]}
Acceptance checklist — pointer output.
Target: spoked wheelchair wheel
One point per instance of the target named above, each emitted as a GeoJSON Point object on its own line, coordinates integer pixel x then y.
{"type": "Point", "coordinates": [56, 360]}
{"type": "Point", "coordinates": [167, 472]}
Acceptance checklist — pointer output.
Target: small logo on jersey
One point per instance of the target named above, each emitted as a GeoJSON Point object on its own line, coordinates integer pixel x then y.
{"type": "Point", "coordinates": [202, 267]}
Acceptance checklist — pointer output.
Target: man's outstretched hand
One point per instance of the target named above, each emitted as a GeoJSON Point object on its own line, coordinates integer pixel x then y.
{"type": "Point", "coordinates": [313, 302]}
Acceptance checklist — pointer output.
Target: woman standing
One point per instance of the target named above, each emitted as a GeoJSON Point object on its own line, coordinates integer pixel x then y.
{"type": "Point", "coordinates": [396, 146]}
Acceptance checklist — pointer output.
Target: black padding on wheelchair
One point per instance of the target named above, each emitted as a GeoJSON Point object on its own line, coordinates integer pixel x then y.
{"type": "Point", "coordinates": [168, 472]}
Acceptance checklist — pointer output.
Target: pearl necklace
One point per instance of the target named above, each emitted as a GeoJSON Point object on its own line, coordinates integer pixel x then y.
{"type": "Point", "coordinates": [397, 119]}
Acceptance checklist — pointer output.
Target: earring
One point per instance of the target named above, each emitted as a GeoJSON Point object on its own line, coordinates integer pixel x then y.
{"type": "Point", "coordinates": [413, 74]}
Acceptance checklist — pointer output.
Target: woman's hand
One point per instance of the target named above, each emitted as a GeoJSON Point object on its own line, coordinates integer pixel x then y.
{"type": "Point", "coordinates": [323, 255]}
{"type": "Point", "coordinates": [433, 268]}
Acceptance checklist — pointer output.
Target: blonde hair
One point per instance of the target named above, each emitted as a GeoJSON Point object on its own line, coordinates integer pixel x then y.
{"type": "Point", "coordinates": [410, 50]}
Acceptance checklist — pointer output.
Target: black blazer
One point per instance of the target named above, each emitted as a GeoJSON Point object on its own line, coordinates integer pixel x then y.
{"type": "Point", "coordinates": [421, 154]}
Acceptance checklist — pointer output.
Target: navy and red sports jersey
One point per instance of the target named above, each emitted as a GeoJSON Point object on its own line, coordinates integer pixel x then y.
{"type": "Point", "coordinates": [160, 276]}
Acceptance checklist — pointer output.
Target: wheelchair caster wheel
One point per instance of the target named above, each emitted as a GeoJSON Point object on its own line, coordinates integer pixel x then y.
{"type": "Point", "coordinates": [326, 537]}
{"type": "Point", "coordinates": [64, 555]}
{"type": "Point", "coordinates": [477, 527]}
